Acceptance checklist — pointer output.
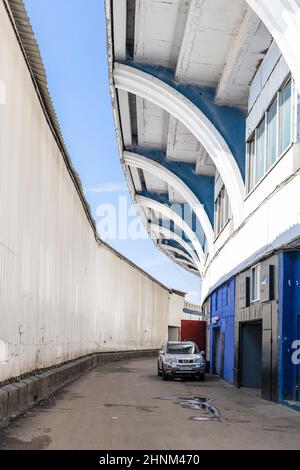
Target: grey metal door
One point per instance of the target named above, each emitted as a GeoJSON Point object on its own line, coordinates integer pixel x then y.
{"type": "Point", "coordinates": [251, 355]}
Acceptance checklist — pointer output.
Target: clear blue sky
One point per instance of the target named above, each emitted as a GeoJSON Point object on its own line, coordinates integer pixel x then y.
{"type": "Point", "coordinates": [72, 40]}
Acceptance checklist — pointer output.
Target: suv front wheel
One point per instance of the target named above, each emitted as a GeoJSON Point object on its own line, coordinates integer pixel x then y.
{"type": "Point", "coordinates": [163, 374]}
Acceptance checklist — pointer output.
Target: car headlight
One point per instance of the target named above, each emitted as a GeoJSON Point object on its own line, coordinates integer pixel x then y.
{"type": "Point", "coordinates": [199, 360]}
{"type": "Point", "coordinates": [170, 360]}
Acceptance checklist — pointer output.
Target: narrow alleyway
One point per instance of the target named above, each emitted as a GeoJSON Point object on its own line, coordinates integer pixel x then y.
{"type": "Point", "coordinates": [125, 405]}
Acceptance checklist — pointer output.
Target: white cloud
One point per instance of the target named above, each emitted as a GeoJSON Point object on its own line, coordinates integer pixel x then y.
{"type": "Point", "coordinates": [107, 188]}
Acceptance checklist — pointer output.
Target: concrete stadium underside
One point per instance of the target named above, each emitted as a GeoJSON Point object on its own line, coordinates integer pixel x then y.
{"type": "Point", "coordinates": [206, 105]}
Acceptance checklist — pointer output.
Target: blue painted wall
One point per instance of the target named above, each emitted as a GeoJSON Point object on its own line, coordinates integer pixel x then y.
{"type": "Point", "coordinates": [223, 306]}
{"type": "Point", "coordinates": [289, 319]}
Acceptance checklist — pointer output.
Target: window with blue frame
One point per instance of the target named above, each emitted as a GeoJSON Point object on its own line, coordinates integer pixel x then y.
{"type": "Point", "coordinates": [272, 136]}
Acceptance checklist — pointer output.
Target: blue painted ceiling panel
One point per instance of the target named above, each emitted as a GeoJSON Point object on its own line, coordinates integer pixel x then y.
{"type": "Point", "coordinates": [201, 185]}
{"type": "Point", "coordinates": [229, 121]}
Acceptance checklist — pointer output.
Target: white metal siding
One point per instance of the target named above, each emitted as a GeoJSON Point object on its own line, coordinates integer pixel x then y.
{"type": "Point", "coordinates": [263, 73]}
{"type": "Point", "coordinates": [176, 305]}
{"type": "Point", "coordinates": [266, 95]}
{"type": "Point", "coordinates": [61, 294]}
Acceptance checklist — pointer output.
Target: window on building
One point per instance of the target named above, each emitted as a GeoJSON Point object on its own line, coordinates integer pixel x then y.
{"type": "Point", "coordinates": [255, 283]}
{"type": "Point", "coordinates": [217, 213]}
{"type": "Point", "coordinates": [272, 136]}
{"type": "Point", "coordinates": [272, 149]}
{"type": "Point", "coordinates": [260, 151]}
{"type": "Point", "coordinates": [251, 163]}
{"type": "Point", "coordinates": [216, 301]}
{"type": "Point", "coordinates": [222, 210]}
{"type": "Point", "coordinates": [285, 116]}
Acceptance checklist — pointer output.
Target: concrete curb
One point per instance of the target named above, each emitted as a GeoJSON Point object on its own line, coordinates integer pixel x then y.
{"type": "Point", "coordinates": [16, 397]}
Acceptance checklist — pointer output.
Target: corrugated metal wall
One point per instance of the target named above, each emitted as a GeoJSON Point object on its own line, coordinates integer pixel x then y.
{"type": "Point", "coordinates": [176, 305]}
{"type": "Point", "coordinates": [61, 294]}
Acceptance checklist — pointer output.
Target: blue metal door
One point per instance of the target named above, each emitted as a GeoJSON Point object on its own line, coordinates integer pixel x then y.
{"type": "Point", "coordinates": [216, 351]}
{"type": "Point", "coordinates": [298, 366]}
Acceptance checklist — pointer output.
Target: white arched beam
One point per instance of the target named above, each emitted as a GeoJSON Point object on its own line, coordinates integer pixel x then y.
{"type": "Point", "coordinates": [165, 211]}
{"type": "Point", "coordinates": [183, 260]}
{"type": "Point", "coordinates": [156, 169]}
{"type": "Point", "coordinates": [179, 252]}
{"type": "Point", "coordinates": [282, 19]}
{"type": "Point", "coordinates": [169, 235]}
{"type": "Point", "coordinates": [142, 84]}
{"type": "Point", "coordinates": [183, 263]}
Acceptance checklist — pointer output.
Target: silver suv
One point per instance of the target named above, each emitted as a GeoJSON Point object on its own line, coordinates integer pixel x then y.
{"type": "Point", "coordinates": [179, 359]}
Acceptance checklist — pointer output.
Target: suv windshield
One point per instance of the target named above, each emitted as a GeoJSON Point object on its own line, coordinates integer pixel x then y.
{"type": "Point", "coordinates": [182, 348]}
